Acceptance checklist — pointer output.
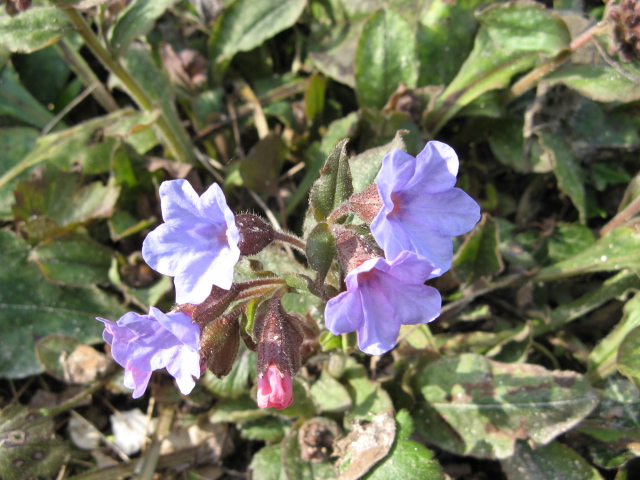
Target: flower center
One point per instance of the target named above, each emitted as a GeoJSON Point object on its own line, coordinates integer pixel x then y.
{"type": "Point", "coordinates": [396, 198]}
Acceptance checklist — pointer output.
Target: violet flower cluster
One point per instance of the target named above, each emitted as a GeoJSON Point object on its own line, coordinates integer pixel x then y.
{"type": "Point", "coordinates": [421, 211]}
{"type": "Point", "coordinates": [413, 209]}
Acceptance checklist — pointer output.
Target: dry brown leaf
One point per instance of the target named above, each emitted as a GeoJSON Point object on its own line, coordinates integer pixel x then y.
{"type": "Point", "coordinates": [366, 444]}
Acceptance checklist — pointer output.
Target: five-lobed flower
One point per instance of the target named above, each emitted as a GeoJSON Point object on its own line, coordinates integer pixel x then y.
{"type": "Point", "coordinates": [381, 296]}
{"type": "Point", "coordinates": [144, 343]}
{"type": "Point", "coordinates": [421, 208]}
{"type": "Point", "coordinates": [197, 244]}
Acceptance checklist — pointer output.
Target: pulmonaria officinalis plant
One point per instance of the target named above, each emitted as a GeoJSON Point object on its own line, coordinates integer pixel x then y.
{"type": "Point", "coordinates": [377, 284]}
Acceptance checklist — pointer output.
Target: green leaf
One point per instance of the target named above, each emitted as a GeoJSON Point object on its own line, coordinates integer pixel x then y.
{"type": "Point", "coordinates": [479, 255]}
{"type": "Point", "coordinates": [618, 249]}
{"type": "Point", "coordinates": [628, 358]}
{"type": "Point", "coordinates": [46, 63]}
{"type": "Point", "coordinates": [59, 196]}
{"type": "Point", "coordinates": [17, 102]}
{"type": "Point", "coordinates": [568, 240]}
{"type": "Point", "coordinates": [369, 398]}
{"type": "Point", "coordinates": [33, 29]}
{"type": "Point", "coordinates": [614, 287]}
{"type": "Point", "coordinates": [138, 61]}
{"type": "Point", "coordinates": [329, 394]}
{"type": "Point", "coordinates": [28, 435]}
{"type": "Point", "coordinates": [314, 96]}
{"type": "Point", "coordinates": [334, 53]}
{"type": "Point", "coordinates": [409, 461]}
{"type": "Point", "coordinates": [317, 154]}
{"type": "Point", "coordinates": [31, 308]}
{"type": "Point", "coordinates": [246, 24]}
{"type": "Point", "coordinates": [510, 39]}
{"type": "Point", "coordinates": [266, 464]}
{"type": "Point", "coordinates": [241, 409]}
{"type": "Point", "coordinates": [334, 185]}
{"type": "Point", "coordinates": [267, 429]}
{"type": "Point", "coordinates": [261, 168]}
{"type": "Point", "coordinates": [478, 407]}
{"type": "Point", "coordinates": [237, 382]}
{"type": "Point", "coordinates": [15, 143]}
{"type": "Point", "coordinates": [386, 56]}
{"type": "Point", "coordinates": [87, 145]}
{"type": "Point", "coordinates": [73, 260]}
{"type": "Point", "coordinates": [566, 169]}
{"type": "Point", "coordinates": [599, 82]}
{"type": "Point", "coordinates": [136, 20]}
{"type": "Point", "coordinates": [365, 166]}
{"type": "Point", "coordinates": [602, 359]}
{"type": "Point", "coordinates": [445, 38]}
{"type": "Point", "coordinates": [547, 463]}
{"type": "Point", "coordinates": [321, 248]}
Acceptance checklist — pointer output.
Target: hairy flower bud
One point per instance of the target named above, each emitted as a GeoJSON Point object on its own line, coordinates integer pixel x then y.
{"type": "Point", "coordinates": [255, 234]}
{"type": "Point", "coordinates": [353, 249]}
{"type": "Point", "coordinates": [13, 7]}
{"type": "Point", "coordinates": [279, 339]}
{"type": "Point", "coordinates": [214, 305]}
{"type": "Point", "coordinates": [366, 204]}
{"type": "Point", "coordinates": [219, 342]}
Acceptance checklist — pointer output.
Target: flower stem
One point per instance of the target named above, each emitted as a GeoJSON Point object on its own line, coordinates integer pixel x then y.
{"type": "Point", "coordinates": [177, 142]}
{"type": "Point", "coordinates": [82, 69]}
{"type": "Point", "coordinates": [292, 240]}
{"type": "Point", "coordinates": [628, 212]}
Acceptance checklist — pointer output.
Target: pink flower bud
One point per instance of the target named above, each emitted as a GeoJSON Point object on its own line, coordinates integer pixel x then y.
{"type": "Point", "coordinates": [275, 389]}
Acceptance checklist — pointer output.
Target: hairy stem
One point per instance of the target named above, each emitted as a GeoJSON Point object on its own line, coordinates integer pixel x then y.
{"type": "Point", "coordinates": [292, 240]}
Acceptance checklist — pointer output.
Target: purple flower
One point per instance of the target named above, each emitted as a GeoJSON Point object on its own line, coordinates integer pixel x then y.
{"type": "Point", "coordinates": [421, 209]}
{"type": "Point", "coordinates": [382, 295]}
{"type": "Point", "coordinates": [143, 343]}
{"type": "Point", "coordinates": [197, 244]}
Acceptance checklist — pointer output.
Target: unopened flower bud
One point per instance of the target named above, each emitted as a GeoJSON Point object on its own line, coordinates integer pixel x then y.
{"type": "Point", "coordinates": [353, 249]}
{"type": "Point", "coordinates": [255, 234]}
{"type": "Point", "coordinates": [366, 204]}
{"type": "Point", "coordinates": [219, 342]}
{"type": "Point", "coordinates": [213, 306]}
{"type": "Point", "coordinates": [279, 339]}
{"type": "Point", "coordinates": [275, 389]}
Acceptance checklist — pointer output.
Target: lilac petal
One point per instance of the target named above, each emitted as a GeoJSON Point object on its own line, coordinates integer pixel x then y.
{"type": "Point", "coordinates": [379, 332]}
{"type": "Point", "coordinates": [197, 258]}
{"type": "Point", "coordinates": [436, 169]}
{"type": "Point", "coordinates": [408, 267]}
{"type": "Point", "coordinates": [184, 368]}
{"type": "Point", "coordinates": [397, 169]}
{"type": "Point", "coordinates": [179, 202]}
{"type": "Point", "coordinates": [450, 213]}
{"type": "Point", "coordinates": [213, 205]}
{"type": "Point", "coordinates": [344, 313]}
{"type": "Point", "coordinates": [194, 285]}
{"type": "Point", "coordinates": [137, 380]}
{"type": "Point", "coordinates": [180, 325]}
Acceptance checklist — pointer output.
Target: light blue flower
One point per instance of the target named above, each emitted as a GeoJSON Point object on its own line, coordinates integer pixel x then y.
{"type": "Point", "coordinates": [197, 244]}
{"type": "Point", "coordinates": [421, 209]}
{"type": "Point", "coordinates": [382, 295]}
